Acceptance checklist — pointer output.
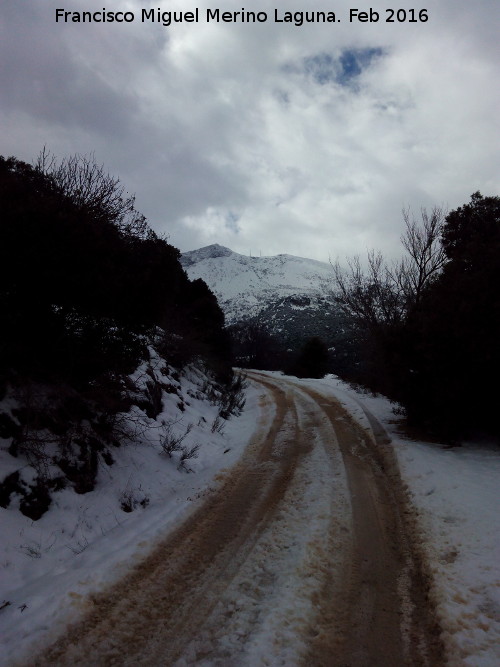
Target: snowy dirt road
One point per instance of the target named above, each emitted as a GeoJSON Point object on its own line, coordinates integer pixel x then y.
{"type": "Point", "coordinates": [304, 554]}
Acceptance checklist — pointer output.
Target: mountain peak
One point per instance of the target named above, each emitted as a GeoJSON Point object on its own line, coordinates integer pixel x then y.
{"type": "Point", "coordinates": [208, 252]}
{"type": "Point", "coordinates": [246, 286]}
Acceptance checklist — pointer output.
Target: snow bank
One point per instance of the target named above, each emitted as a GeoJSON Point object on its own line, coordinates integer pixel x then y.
{"type": "Point", "coordinates": [48, 567]}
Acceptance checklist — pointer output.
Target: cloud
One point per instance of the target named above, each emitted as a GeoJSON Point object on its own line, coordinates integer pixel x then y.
{"type": "Point", "coordinates": [272, 137]}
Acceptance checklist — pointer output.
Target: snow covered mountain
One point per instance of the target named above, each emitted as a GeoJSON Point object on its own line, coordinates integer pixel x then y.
{"type": "Point", "coordinates": [276, 290]}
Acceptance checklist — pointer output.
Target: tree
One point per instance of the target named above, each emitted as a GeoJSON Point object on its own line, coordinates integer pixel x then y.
{"type": "Point", "coordinates": [472, 231]}
{"type": "Point", "coordinates": [202, 328]}
{"type": "Point", "coordinates": [381, 294]}
{"type": "Point", "coordinates": [312, 360]}
{"type": "Point", "coordinates": [377, 299]}
{"type": "Point", "coordinates": [457, 326]}
{"type": "Point", "coordinates": [371, 296]}
{"type": "Point", "coordinates": [425, 254]}
{"type": "Point", "coordinates": [91, 189]}
{"type": "Point", "coordinates": [255, 347]}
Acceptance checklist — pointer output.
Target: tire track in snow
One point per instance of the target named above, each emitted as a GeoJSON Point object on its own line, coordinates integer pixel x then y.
{"type": "Point", "coordinates": [290, 561]}
{"type": "Point", "coordinates": [156, 612]}
{"type": "Point", "coordinates": [383, 614]}
{"type": "Point", "coordinates": [267, 615]}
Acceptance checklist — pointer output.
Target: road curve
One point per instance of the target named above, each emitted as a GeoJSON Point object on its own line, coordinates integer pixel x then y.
{"type": "Point", "coordinates": [303, 555]}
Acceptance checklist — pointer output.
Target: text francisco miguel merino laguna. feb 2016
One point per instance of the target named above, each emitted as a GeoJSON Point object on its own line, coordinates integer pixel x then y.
{"type": "Point", "coordinates": [297, 18]}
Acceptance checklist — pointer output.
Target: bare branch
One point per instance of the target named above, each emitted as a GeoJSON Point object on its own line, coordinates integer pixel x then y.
{"type": "Point", "coordinates": [382, 294]}
{"type": "Point", "coordinates": [91, 188]}
{"type": "Point", "coordinates": [423, 245]}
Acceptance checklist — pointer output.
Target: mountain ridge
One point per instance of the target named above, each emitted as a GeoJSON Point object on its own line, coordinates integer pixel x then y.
{"type": "Point", "coordinates": [247, 286]}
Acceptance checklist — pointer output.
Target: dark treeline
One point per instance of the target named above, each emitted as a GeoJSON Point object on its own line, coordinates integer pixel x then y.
{"type": "Point", "coordinates": [255, 347]}
{"type": "Point", "coordinates": [427, 328]}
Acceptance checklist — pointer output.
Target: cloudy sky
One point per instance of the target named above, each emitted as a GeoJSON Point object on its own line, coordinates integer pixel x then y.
{"type": "Point", "coordinates": [267, 137]}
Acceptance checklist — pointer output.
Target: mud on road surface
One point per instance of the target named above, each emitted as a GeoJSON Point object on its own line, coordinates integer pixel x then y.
{"type": "Point", "coordinates": [381, 615]}
{"type": "Point", "coordinates": [303, 555]}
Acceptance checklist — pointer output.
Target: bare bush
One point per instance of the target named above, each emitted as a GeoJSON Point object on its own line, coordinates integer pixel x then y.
{"type": "Point", "coordinates": [32, 549]}
{"type": "Point", "coordinates": [232, 397]}
{"type": "Point", "coordinates": [131, 499]}
{"type": "Point", "coordinates": [34, 439]}
{"type": "Point", "coordinates": [170, 439]}
{"type": "Point", "coordinates": [217, 424]}
{"type": "Point", "coordinates": [91, 188]}
{"type": "Point", "coordinates": [187, 454]}
{"type": "Point", "coordinates": [79, 547]}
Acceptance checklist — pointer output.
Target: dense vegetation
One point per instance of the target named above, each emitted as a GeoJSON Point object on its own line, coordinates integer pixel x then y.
{"type": "Point", "coordinates": [83, 279]}
{"type": "Point", "coordinates": [275, 339]}
{"type": "Point", "coordinates": [427, 328]}
{"type": "Point", "coordinates": [87, 290]}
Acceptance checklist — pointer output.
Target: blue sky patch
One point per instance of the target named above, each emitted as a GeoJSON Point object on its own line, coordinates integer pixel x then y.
{"type": "Point", "coordinates": [344, 69]}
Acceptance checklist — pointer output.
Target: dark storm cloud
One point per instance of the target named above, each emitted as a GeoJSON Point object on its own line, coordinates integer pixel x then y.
{"type": "Point", "coordinates": [44, 78]}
